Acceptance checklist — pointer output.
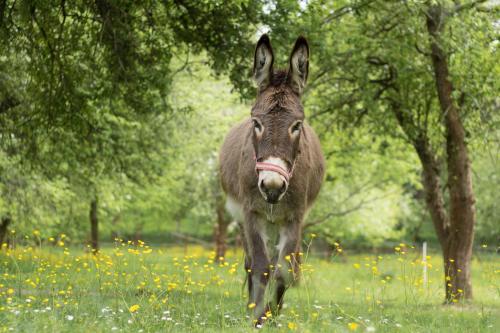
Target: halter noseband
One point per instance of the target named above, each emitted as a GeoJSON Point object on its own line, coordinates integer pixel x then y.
{"type": "Point", "coordinates": [275, 168]}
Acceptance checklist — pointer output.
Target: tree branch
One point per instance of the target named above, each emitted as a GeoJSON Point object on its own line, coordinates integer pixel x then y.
{"type": "Point", "coordinates": [348, 211]}
{"type": "Point", "coordinates": [344, 10]}
{"type": "Point", "coordinates": [364, 187]}
{"type": "Point", "coordinates": [469, 5]}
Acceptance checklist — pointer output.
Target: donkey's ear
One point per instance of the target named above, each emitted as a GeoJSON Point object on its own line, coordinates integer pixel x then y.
{"type": "Point", "coordinates": [263, 62]}
{"type": "Point", "coordinates": [299, 65]}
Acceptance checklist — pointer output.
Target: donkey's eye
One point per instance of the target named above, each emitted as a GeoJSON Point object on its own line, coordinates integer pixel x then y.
{"type": "Point", "coordinates": [297, 126]}
{"type": "Point", "coordinates": [257, 125]}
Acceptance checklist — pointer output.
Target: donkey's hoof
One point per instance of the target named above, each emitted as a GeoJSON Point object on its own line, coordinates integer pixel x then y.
{"type": "Point", "coordinates": [259, 323]}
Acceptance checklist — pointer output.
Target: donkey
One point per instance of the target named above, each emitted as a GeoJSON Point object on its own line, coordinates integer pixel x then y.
{"type": "Point", "coordinates": [272, 168]}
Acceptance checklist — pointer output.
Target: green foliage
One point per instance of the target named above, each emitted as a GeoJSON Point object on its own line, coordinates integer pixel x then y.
{"type": "Point", "coordinates": [118, 100]}
{"type": "Point", "coordinates": [64, 65]}
{"type": "Point", "coordinates": [486, 166]}
{"type": "Point", "coordinates": [364, 197]}
{"type": "Point", "coordinates": [35, 203]}
{"type": "Point", "coordinates": [371, 71]}
{"type": "Point", "coordinates": [84, 87]}
{"type": "Point", "coordinates": [182, 199]}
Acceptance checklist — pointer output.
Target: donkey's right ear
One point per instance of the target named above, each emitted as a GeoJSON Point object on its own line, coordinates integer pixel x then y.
{"type": "Point", "coordinates": [263, 62]}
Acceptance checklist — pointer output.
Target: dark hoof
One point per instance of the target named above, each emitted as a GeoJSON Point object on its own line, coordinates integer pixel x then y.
{"type": "Point", "coordinates": [259, 322]}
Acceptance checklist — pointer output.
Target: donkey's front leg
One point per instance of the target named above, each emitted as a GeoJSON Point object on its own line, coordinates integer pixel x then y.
{"type": "Point", "coordinates": [287, 270]}
{"type": "Point", "coordinates": [258, 261]}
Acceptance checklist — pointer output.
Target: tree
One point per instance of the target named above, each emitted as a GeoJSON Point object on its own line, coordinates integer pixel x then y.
{"type": "Point", "coordinates": [455, 231]}
{"type": "Point", "coordinates": [412, 71]}
{"type": "Point", "coordinates": [84, 85]}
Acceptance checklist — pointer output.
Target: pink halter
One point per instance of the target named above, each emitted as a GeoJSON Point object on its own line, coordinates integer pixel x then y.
{"type": "Point", "coordinates": [273, 167]}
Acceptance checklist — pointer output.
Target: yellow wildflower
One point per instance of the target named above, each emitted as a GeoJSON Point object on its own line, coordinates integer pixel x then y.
{"type": "Point", "coordinates": [352, 326]}
{"type": "Point", "coordinates": [134, 308]}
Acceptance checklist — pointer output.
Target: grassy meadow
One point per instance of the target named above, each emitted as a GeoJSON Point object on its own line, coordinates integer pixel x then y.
{"type": "Point", "coordinates": [138, 288]}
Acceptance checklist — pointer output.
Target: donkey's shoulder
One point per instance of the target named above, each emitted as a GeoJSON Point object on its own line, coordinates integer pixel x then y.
{"type": "Point", "coordinates": [235, 157]}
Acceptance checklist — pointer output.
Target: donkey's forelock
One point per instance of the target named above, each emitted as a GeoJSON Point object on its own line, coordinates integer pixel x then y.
{"type": "Point", "coordinates": [277, 97]}
{"type": "Point", "coordinates": [279, 78]}
{"type": "Point", "coordinates": [277, 100]}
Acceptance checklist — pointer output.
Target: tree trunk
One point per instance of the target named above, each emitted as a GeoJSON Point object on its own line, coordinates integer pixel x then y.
{"type": "Point", "coordinates": [432, 188]}
{"type": "Point", "coordinates": [457, 248]}
{"type": "Point", "coordinates": [114, 223]}
{"type": "Point", "coordinates": [4, 226]}
{"type": "Point", "coordinates": [220, 230]}
{"type": "Point", "coordinates": [94, 226]}
{"type": "Point", "coordinates": [138, 232]}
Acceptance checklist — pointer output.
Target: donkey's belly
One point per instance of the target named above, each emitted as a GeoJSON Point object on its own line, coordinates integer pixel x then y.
{"type": "Point", "coordinates": [235, 209]}
{"type": "Point", "coordinates": [271, 218]}
{"type": "Point", "coordinates": [273, 214]}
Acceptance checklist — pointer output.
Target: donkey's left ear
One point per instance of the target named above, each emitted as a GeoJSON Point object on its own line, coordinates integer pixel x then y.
{"type": "Point", "coordinates": [263, 62]}
{"type": "Point", "coordinates": [299, 65]}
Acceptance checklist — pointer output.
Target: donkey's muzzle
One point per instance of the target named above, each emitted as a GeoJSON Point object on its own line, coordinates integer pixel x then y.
{"type": "Point", "coordinates": [272, 194]}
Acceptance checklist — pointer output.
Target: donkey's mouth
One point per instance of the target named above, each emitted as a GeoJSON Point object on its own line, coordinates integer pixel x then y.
{"type": "Point", "coordinates": [272, 201]}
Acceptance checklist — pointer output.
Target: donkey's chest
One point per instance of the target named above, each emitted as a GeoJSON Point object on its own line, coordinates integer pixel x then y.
{"type": "Point", "coordinates": [272, 219]}
{"type": "Point", "coordinates": [273, 214]}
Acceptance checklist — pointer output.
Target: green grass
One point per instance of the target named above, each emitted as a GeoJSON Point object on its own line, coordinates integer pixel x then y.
{"type": "Point", "coordinates": [182, 290]}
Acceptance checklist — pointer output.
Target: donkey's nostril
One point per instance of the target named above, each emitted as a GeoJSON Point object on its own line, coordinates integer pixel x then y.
{"type": "Point", "coordinates": [272, 194]}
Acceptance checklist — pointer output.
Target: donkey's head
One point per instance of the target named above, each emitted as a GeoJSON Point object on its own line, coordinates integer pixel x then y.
{"type": "Point", "coordinates": [278, 116]}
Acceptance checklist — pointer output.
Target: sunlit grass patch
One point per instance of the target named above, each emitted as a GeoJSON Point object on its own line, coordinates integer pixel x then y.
{"type": "Point", "coordinates": [132, 287]}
